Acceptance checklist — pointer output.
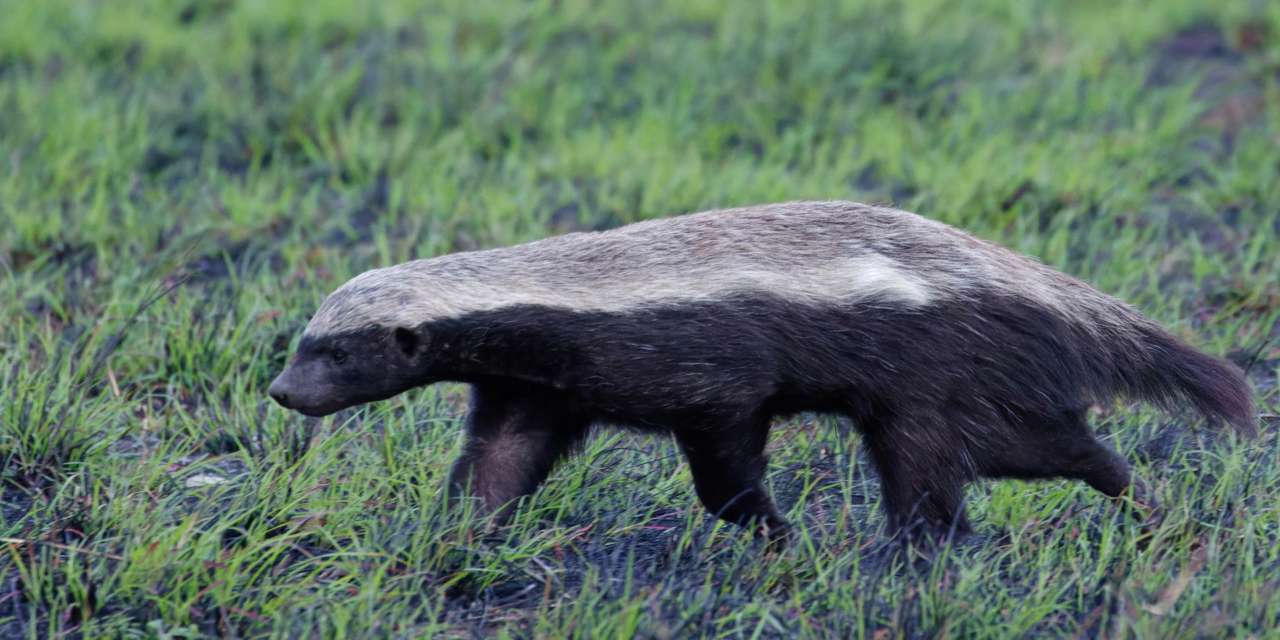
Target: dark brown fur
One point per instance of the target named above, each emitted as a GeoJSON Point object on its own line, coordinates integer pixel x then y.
{"type": "Point", "coordinates": [987, 387]}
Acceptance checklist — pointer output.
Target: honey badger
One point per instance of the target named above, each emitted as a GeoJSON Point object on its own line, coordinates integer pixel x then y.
{"type": "Point", "coordinates": [956, 358]}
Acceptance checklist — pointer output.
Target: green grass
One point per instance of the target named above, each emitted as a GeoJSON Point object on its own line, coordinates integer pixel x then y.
{"type": "Point", "coordinates": [253, 155]}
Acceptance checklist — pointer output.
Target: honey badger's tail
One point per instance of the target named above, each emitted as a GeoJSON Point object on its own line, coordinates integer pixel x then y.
{"type": "Point", "coordinates": [1169, 372]}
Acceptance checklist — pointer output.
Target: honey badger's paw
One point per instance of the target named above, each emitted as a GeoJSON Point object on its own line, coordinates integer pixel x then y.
{"type": "Point", "coordinates": [1142, 504]}
{"type": "Point", "coordinates": [777, 534]}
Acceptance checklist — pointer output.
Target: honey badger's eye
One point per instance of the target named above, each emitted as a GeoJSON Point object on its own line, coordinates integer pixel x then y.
{"type": "Point", "coordinates": [339, 356]}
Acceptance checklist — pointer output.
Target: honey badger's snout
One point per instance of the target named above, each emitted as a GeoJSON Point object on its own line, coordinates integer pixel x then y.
{"type": "Point", "coordinates": [300, 389]}
{"type": "Point", "coordinates": [288, 391]}
{"type": "Point", "coordinates": [280, 390]}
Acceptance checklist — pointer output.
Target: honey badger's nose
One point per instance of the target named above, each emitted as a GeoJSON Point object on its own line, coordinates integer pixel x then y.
{"type": "Point", "coordinates": [279, 391]}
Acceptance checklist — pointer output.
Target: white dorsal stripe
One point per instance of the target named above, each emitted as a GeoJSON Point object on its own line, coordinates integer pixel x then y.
{"type": "Point", "coordinates": [812, 252]}
{"type": "Point", "coordinates": [409, 294]}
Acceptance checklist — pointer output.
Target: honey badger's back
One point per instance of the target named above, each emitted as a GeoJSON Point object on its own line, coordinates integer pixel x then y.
{"type": "Point", "coordinates": [816, 251]}
{"type": "Point", "coordinates": [826, 252]}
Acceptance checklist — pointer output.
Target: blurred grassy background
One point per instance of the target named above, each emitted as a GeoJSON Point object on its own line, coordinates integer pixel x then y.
{"type": "Point", "coordinates": [255, 154]}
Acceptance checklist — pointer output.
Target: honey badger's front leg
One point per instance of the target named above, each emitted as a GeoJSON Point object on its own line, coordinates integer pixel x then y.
{"type": "Point", "coordinates": [728, 466]}
{"type": "Point", "coordinates": [516, 433]}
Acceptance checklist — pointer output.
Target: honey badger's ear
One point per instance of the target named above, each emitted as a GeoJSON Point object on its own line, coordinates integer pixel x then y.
{"type": "Point", "coordinates": [410, 341]}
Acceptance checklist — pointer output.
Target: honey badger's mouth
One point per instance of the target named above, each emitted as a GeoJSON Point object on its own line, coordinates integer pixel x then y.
{"type": "Point", "coordinates": [323, 408]}
{"type": "Point", "coordinates": [314, 412]}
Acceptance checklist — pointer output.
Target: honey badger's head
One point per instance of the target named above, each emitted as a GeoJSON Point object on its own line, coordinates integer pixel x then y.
{"type": "Point", "coordinates": [359, 347]}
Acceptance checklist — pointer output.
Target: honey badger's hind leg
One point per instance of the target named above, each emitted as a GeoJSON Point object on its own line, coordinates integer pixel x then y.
{"type": "Point", "coordinates": [923, 466]}
{"type": "Point", "coordinates": [1061, 444]}
{"type": "Point", "coordinates": [728, 466]}
{"type": "Point", "coordinates": [516, 433]}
